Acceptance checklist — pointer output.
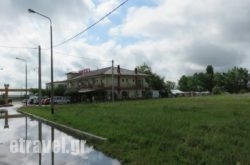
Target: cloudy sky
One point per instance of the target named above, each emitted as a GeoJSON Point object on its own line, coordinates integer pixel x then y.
{"type": "Point", "coordinates": [174, 37]}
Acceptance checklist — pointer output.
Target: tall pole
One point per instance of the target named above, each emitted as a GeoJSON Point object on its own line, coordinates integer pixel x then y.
{"type": "Point", "coordinates": [52, 82]}
{"type": "Point", "coordinates": [112, 81]}
{"type": "Point", "coordinates": [25, 78]}
{"type": "Point", "coordinates": [39, 75]}
{"type": "Point", "coordinates": [26, 84]}
{"type": "Point", "coordinates": [51, 55]}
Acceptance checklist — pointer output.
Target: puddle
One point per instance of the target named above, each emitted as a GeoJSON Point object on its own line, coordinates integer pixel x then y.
{"type": "Point", "coordinates": [68, 150]}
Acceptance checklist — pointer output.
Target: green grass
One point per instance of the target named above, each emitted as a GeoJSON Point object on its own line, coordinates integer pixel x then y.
{"type": "Point", "coordinates": [194, 130]}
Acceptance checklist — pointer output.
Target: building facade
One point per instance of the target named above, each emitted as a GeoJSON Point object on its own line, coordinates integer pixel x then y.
{"type": "Point", "coordinates": [98, 83]}
{"type": "Point", "coordinates": [56, 84]}
{"type": "Point", "coordinates": [86, 84]}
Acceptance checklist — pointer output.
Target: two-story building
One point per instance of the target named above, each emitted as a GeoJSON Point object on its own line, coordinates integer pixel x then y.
{"type": "Point", "coordinates": [98, 83]}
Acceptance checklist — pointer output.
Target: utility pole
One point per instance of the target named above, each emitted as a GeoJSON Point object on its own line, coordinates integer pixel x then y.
{"type": "Point", "coordinates": [39, 75]}
{"type": "Point", "coordinates": [112, 80]}
{"type": "Point", "coordinates": [25, 78]}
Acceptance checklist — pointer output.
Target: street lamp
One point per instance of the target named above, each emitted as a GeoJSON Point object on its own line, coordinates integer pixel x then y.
{"type": "Point", "coordinates": [51, 54]}
{"type": "Point", "coordinates": [25, 77]}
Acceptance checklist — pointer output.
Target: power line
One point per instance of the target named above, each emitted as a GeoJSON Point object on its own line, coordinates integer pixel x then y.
{"type": "Point", "coordinates": [74, 36]}
{"type": "Point", "coordinates": [92, 25]}
{"type": "Point", "coordinates": [16, 47]}
{"type": "Point", "coordinates": [64, 54]}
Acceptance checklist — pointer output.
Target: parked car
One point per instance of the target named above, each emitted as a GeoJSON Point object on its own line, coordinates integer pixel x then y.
{"type": "Point", "coordinates": [32, 101]}
{"type": "Point", "coordinates": [61, 100]}
{"type": "Point", "coordinates": [46, 101]}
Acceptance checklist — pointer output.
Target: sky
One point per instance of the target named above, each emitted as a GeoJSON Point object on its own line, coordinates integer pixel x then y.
{"type": "Point", "coordinates": [173, 37]}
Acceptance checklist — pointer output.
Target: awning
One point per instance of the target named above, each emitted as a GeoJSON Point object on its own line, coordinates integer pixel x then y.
{"type": "Point", "coordinates": [176, 91]}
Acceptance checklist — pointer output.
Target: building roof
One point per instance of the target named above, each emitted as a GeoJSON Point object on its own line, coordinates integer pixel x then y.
{"type": "Point", "coordinates": [176, 91]}
{"type": "Point", "coordinates": [108, 71]}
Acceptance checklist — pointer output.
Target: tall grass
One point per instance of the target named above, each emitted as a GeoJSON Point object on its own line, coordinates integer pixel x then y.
{"type": "Point", "coordinates": [195, 130]}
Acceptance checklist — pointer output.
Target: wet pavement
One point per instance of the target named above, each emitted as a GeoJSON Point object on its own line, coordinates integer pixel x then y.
{"type": "Point", "coordinates": [70, 151]}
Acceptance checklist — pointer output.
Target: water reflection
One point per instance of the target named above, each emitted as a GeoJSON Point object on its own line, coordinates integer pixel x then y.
{"type": "Point", "coordinates": [4, 114]}
{"type": "Point", "coordinates": [40, 139]}
{"type": "Point", "coordinates": [32, 130]}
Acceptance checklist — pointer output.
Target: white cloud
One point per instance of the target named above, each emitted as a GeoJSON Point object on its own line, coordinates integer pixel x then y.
{"type": "Point", "coordinates": [173, 37]}
{"type": "Point", "coordinates": [191, 22]}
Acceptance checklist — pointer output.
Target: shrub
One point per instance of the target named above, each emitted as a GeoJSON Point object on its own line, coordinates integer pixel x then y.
{"type": "Point", "coordinates": [217, 90]}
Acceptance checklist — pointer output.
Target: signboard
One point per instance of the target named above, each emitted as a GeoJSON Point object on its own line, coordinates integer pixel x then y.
{"type": "Point", "coordinates": [83, 71]}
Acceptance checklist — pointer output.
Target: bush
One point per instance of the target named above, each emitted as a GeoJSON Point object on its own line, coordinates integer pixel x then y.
{"type": "Point", "coordinates": [243, 91]}
{"type": "Point", "coordinates": [217, 90]}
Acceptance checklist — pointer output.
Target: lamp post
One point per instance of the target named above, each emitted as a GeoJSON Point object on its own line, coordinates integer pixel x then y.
{"type": "Point", "coordinates": [51, 56]}
{"type": "Point", "coordinates": [25, 77]}
{"type": "Point", "coordinates": [39, 76]}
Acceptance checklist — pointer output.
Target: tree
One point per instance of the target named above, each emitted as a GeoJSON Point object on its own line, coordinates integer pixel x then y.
{"type": "Point", "coordinates": [60, 90]}
{"type": "Point", "coordinates": [209, 78]}
{"type": "Point", "coordinates": [219, 80]}
{"type": "Point", "coordinates": [154, 80]}
{"type": "Point", "coordinates": [199, 81]}
{"type": "Point", "coordinates": [169, 85]}
{"type": "Point", "coordinates": [183, 83]}
{"type": "Point", "coordinates": [44, 92]}
{"type": "Point", "coordinates": [144, 68]}
{"type": "Point", "coordinates": [236, 80]}
{"type": "Point", "coordinates": [210, 70]}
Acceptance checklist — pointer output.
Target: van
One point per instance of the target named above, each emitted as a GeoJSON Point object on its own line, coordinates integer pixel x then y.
{"type": "Point", "coordinates": [61, 100]}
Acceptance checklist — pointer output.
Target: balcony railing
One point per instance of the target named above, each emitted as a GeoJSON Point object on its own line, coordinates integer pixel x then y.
{"type": "Point", "coordinates": [102, 85]}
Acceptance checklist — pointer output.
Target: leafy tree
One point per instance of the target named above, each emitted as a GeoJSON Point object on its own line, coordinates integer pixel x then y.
{"type": "Point", "coordinates": [236, 80]}
{"type": "Point", "coordinates": [60, 90]}
{"type": "Point", "coordinates": [200, 81]}
{"type": "Point", "coordinates": [219, 80]}
{"type": "Point", "coordinates": [35, 91]}
{"type": "Point", "coordinates": [210, 70]}
{"type": "Point", "coordinates": [183, 83]}
{"type": "Point", "coordinates": [144, 68]}
{"type": "Point", "coordinates": [209, 78]}
{"type": "Point", "coordinates": [191, 83]}
{"type": "Point", "coordinates": [169, 85]}
{"type": "Point", "coordinates": [154, 80]}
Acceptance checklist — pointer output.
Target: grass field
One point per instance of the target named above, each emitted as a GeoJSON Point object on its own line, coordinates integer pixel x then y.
{"type": "Point", "coordinates": [194, 130]}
